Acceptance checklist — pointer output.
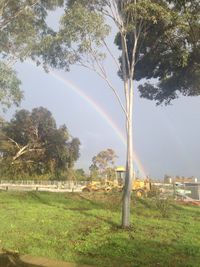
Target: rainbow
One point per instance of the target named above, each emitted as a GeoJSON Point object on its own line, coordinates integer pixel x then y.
{"type": "Point", "coordinates": [100, 111]}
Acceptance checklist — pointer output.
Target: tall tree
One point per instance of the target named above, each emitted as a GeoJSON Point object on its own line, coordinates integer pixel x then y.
{"type": "Point", "coordinates": [169, 53]}
{"type": "Point", "coordinates": [22, 22]}
{"type": "Point", "coordinates": [153, 36]}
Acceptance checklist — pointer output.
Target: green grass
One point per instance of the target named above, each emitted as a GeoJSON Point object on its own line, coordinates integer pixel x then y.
{"type": "Point", "coordinates": [85, 229]}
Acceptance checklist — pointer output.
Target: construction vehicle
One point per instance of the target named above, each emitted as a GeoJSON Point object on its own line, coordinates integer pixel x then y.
{"type": "Point", "coordinates": [140, 187]}
{"type": "Point", "coordinates": [102, 186]}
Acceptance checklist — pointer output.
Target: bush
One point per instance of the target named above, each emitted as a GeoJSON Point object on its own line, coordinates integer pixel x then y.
{"type": "Point", "coordinates": [154, 192]}
{"type": "Point", "coordinates": [163, 205]}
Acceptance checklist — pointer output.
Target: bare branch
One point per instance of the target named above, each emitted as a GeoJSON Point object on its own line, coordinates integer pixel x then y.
{"type": "Point", "coordinates": [112, 55]}
{"type": "Point", "coordinates": [11, 140]}
{"type": "Point", "coordinates": [20, 152]}
{"type": "Point", "coordinates": [100, 71]}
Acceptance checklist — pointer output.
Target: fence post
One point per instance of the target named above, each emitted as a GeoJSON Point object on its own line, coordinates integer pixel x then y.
{"type": "Point", "coordinates": [174, 190]}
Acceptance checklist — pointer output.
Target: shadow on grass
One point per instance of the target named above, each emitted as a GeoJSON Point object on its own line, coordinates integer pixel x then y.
{"type": "Point", "coordinates": [144, 202]}
{"type": "Point", "coordinates": [82, 201]}
{"type": "Point", "coordinates": [114, 225]}
{"type": "Point", "coordinates": [121, 252]}
{"type": "Point", "coordinates": [105, 202]}
{"type": "Point", "coordinates": [38, 197]}
{"type": "Point", "coordinates": [185, 212]}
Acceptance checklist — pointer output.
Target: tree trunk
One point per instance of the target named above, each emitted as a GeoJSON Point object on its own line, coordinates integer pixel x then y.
{"type": "Point", "coordinates": [129, 163]}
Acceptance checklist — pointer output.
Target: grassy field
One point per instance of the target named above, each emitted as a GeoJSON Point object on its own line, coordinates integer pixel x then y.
{"type": "Point", "coordinates": [84, 228]}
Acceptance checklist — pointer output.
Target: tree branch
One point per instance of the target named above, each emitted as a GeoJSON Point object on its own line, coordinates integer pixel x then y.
{"type": "Point", "coordinates": [5, 24]}
{"type": "Point", "coordinates": [112, 56]}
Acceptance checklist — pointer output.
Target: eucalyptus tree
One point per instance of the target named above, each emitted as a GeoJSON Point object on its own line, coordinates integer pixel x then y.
{"type": "Point", "coordinates": [103, 164]}
{"type": "Point", "coordinates": [32, 144]}
{"type": "Point", "coordinates": [153, 38]}
{"type": "Point", "coordinates": [10, 92]}
{"type": "Point", "coordinates": [22, 22]}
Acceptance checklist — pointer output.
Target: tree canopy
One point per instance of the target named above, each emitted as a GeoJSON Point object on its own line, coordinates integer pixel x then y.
{"type": "Point", "coordinates": [31, 144]}
{"type": "Point", "coordinates": [25, 21]}
{"type": "Point", "coordinates": [22, 23]}
{"type": "Point", "coordinates": [168, 51]}
{"type": "Point", "coordinates": [103, 164]}
{"type": "Point", "coordinates": [10, 92]}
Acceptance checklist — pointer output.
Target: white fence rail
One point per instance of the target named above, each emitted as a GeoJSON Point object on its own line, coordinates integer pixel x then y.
{"type": "Point", "coordinates": [42, 185]}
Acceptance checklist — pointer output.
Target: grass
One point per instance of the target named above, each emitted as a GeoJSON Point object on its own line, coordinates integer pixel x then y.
{"type": "Point", "coordinates": [84, 228]}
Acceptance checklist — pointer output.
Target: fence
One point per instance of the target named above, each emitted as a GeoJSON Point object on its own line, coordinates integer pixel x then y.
{"type": "Point", "coordinates": [188, 191]}
{"type": "Point", "coordinates": [42, 185]}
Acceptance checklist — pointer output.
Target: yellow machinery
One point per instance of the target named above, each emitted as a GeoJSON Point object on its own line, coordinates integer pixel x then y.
{"type": "Point", "coordinates": [102, 186]}
{"type": "Point", "coordinates": [141, 187]}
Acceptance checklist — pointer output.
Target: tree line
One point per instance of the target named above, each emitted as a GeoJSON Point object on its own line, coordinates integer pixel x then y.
{"type": "Point", "coordinates": [33, 147]}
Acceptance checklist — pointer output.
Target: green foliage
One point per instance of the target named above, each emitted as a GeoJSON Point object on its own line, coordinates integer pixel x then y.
{"type": "Point", "coordinates": [81, 34]}
{"type": "Point", "coordinates": [80, 175]}
{"type": "Point", "coordinates": [25, 21]}
{"type": "Point", "coordinates": [10, 92]}
{"type": "Point", "coordinates": [103, 164]}
{"type": "Point", "coordinates": [22, 25]}
{"type": "Point", "coordinates": [31, 144]}
{"type": "Point", "coordinates": [154, 192]}
{"type": "Point", "coordinates": [94, 172]}
{"type": "Point", "coordinates": [89, 227]}
{"type": "Point", "coordinates": [168, 47]}
{"type": "Point", "coordinates": [163, 205]}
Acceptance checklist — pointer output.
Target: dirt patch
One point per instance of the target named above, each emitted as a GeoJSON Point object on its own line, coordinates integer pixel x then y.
{"type": "Point", "coordinates": [190, 203]}
{"type": "Point", "coordinates": [12, 259]}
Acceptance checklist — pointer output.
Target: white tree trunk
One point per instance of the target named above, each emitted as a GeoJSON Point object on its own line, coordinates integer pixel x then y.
{"type": "Point", "coordinates": [126, 204]}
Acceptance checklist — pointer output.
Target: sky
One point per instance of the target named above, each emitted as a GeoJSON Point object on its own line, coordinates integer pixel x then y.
{"type": "Point", "coordinates": [166, 139]}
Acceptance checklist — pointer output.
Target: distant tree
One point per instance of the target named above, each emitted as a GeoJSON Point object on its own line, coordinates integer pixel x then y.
{"type": "Point", "coordinates": [94, 172]}
{"type": "Point", "coordinates": [80, 175]}
{"type": "Point", "coordinates": [31, 143]}
{"type": "Point", "coordinates": [103, 163]}
{"type": "Point", "coordinates": [73, 149]}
